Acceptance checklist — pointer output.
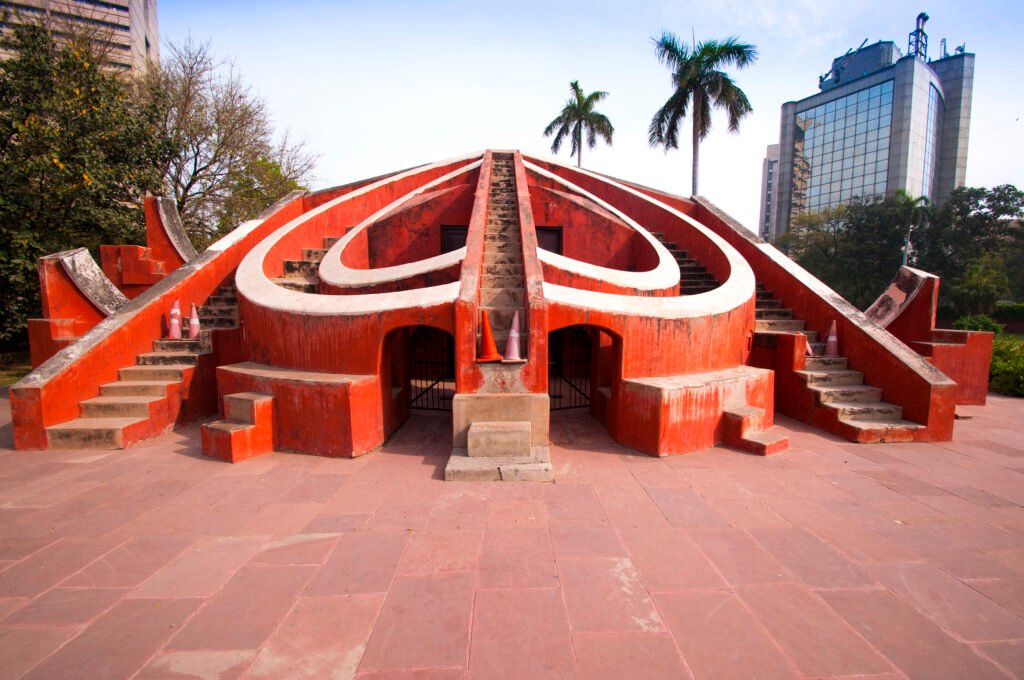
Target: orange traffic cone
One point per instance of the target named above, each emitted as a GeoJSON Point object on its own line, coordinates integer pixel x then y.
{"type": "Point", "coordinates": [488, 349]}
{"type": "Point", "coordinates": [512, 346]}
{"type": "Point", "coordinates": [175, 326]}
{"type": "Point", "coordinates": [832, 346]}
{"type": "Point", "coordinates": [193, 323]}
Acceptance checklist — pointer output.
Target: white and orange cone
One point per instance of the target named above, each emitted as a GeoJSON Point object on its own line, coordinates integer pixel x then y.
{"type": "Point", "coordinates": [175, 325]}
{"type": "Point", "coordinates": [832, 345]}
{"type": "Point", "coordinates": [512, 346]}
{"type": "Point", "coordinates": [807, 344]}
{"type": "Point", "coordinates": [193, 323]}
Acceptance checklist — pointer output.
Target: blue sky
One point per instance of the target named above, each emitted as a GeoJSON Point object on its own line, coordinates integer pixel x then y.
{"type": "Point", "coordinates": [378, 86]}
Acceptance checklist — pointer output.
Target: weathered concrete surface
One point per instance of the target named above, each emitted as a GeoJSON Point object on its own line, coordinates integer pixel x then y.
{"type": "Point", "coordinates": [832, 560]}
{"type": "Point", "coordinates": [497, 439]}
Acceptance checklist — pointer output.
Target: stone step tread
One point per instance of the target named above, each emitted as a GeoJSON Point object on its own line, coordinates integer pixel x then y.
{"type": "Point", "coordinates": [121, 399]}
{"type": "Point", "coordinates": [110, 423]}
{"type": "Point", "coordinates": [228, 425]}
{"type": "Point", "coordinates": [184, 356]}
{"type": "Point", "coordinates": [881, 423]}
{"type": "Point", "coordinates": [825, 363]}
{"type": "Point", "coordinates": [830, 373]}
{"type": "Point", "coordinates": [158, 386]}
{"type": "Point", "coordinates": [865, 406]}
{"type": "Point", "coordinates": [131, 373]}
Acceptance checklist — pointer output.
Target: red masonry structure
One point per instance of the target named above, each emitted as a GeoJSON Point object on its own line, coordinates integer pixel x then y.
{"type": "Point", "coordinates": [335, 314]}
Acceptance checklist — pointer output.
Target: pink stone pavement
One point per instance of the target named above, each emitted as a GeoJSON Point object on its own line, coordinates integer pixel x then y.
{"type": "Point", "coordinates": [829, 560]}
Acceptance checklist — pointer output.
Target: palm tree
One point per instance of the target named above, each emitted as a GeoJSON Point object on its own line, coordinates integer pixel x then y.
{"type": "Point", "coordinates": [699, 85]}
{"type": "Point", "coordinates": [915, 213]}
{"type": "Point", "coordinates": [578, 116]}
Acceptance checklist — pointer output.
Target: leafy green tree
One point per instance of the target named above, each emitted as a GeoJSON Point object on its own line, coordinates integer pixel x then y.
{"type": "Point", "coordinates": [223, 141]}
{"type": "Point", "coordinates": [977, 290]}
{"type": "Point", "coordinates": [578, 119]}
{"type": "Point", "coordinates": [855, 248]}
{"type": "Point", "coordinates": [972, 223]}
{"type": "Point", "coordinates": [699, 84]}
{"type": "Point", "coordinates": [79, 147]}
{"type": "Point", "coordinates": [915, 214]}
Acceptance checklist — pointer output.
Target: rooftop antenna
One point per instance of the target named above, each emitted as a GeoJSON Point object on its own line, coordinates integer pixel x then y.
{"type": "Point", "coordinates": [918, 39]}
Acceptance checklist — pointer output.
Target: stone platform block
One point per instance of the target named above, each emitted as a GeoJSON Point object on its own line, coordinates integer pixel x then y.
{"type": "Point", "coordinates": [500, 438]}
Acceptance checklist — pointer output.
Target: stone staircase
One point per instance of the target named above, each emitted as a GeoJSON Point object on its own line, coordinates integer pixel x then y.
{"type": "Point", "coordinates": [147, 397]}
{"type": "Point", "coordinates": [301, 275]}
{"type": "Point", "coordinates": [693, 278]}
{"type": "Point", "coordinates": [836, 389]}
{"type": "Point", "coordinates": [502, 291]}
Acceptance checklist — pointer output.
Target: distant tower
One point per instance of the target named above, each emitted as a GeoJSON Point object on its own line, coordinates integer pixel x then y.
{"type": "Point", "coordinates": [880, 122]}
{"type": "Point", "coordinates": [917, 43]}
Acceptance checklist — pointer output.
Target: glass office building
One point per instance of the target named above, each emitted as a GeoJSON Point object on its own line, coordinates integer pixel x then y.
{"type": "Point", "coordinates": [881, 122]}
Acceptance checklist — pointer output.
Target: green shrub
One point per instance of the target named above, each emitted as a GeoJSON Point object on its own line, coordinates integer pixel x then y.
{"type": "Point", "coordinates": [1010, 311]}
{"type": "Point", "coordinates": [1006, 374]}
{"type": "Point", "coordinates": [977, 322]}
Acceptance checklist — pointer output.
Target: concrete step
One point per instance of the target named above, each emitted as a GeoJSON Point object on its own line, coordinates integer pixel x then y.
{"type": "Point", "coordinates": [329, 241]}
{"type": "Point", "coordinates": [200, 345]}
{"type": "Point", "coordinates": [767, 304]}
{"type": "Point", "coordinates": [832, 376]}
{"type": "Point", "coordinates": [163, 373]}
{"type": "Point", "coordinates": [491, 281]}
{"type": "Point", "coordinates": [790, 325]}
{"type": "Point", "coordinates": [533, 468]}
{"type": "Point", "coordinates": [217, 310]}
{"type": "Point", "coordinates": [502, 246]}
{"type": "Point", "coordinates": [302, 285]}
{"type": "Point", "coordinates": [136, 388]}
{"type": "Point", "coordinates": [812, 336]}
{"type": "Point", "coordinates": [120, 406]}
{"type": "Point", "coordinates": [220, 299]}
{"type": "Point", "coordinates": [765, 443]}
{"type": "Point", "coordinates": [825, 363]}
{"type": "Point", "coordinates": [501, 321]}
{"type": "Point", "coordinates": [167, 359]}
{"type": "Point", "coordinates": [773, 313]}
{"type": "Point", "coordinates": [817, 347]}
{"type": "Point", "coordinates": [896, 430]}
{"type": "Point", "coordinates": [846, 393]}
{"type": "Point", "coordinates": [503, 269]}
{"type": "Point", "coordinates": [501, 258]}
{"type": "Point", "coordinates": [305, 268]}
{"type": "Point", "coordinates": [501, 297]}
{"type": "Point", "coordinates": [866, 410]}
{"type": "Point", "coordinates": [209, 322]}
{"type": "Point", "coordinates": [314, 254]}
{"type": "Point", "coordinates": [764, 295]}
{"type": "Point", "coordinates": [507, 235]}
{"type": "Point", "coordinates": [91, 433]}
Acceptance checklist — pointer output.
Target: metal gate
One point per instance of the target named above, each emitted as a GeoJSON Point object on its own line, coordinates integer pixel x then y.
{"type": "Point", "coordinates": [431, 369]}
{"type": "Point", "coordinates": [569, 367]}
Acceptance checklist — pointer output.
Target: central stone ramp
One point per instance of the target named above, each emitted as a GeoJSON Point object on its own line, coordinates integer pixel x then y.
{"type": "Point", "coordinates": [501, 286]}
{"type": "Point", "coordinates": [501, 432]}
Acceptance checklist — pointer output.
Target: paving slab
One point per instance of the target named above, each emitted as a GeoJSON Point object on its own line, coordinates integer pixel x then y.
{"type": "Point", "coordinates": [830, 560]}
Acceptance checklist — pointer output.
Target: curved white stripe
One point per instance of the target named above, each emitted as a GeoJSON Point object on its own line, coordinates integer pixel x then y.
{"type": "Point", "coordinates": [334, 272]}
{"type": "Point", "coordinates": [734, 291]}
{"type": "Point", "coordinates": [252, 283]}
{"type": "Point", "coordinates": [665, 275]}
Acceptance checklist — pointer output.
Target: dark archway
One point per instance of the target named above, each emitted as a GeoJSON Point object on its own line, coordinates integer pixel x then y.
{"type": "Point", "coordinates": [431, 368]}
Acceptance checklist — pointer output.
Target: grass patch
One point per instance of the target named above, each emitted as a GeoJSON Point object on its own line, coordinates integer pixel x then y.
{"type": "Point", "coordinates": [13, 368]}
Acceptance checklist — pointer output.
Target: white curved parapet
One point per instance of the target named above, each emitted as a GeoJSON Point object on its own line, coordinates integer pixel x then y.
{"type": "Point", "coordinates": [735, 291]}
{"type": "Point", "coordinates": [90, 280]}
{"type": "Point", "coordinates": [254, 285]}
{"type": "Point", "coordinates": [335, 273]}
{"type": "Point", "coordinates": [174, 228]}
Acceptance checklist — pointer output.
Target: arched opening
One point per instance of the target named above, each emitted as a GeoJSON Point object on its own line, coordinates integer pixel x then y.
{"type": "Point", "coordinates": [430, 369]}
{"type": "Point", "coordinates": [583, 365]}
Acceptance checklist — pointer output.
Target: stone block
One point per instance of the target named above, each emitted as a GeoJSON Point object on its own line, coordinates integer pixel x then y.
{"type": "Point", "coordinates": [499, 438]}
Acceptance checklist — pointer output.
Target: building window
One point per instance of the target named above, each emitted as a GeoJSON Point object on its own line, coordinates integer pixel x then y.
{"type": "Point", "coordinates": [931, 146]}
{"type": "Point", "coordinates": [841, 149]}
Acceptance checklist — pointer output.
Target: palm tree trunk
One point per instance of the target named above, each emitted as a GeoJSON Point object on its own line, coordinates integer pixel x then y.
{"type": "Point", "coordinates": [579, 147]}
{"type": "Point", "coordinates": [696, 141]}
